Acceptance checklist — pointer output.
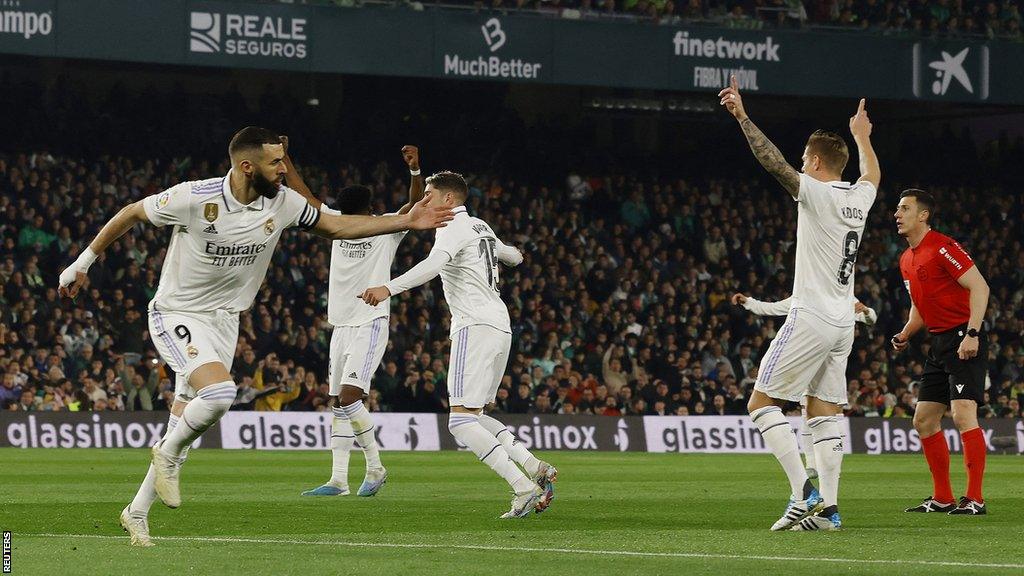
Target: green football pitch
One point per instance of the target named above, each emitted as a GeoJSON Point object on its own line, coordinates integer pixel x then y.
{"type": "Point", "coordinates": [438, 514]}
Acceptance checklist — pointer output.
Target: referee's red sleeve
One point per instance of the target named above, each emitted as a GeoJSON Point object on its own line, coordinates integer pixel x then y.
{"type": "Point", "coordinates": [955, 259]}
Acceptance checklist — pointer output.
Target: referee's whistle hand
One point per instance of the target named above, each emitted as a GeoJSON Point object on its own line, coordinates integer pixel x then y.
{"type": "Point", "coordinates": [899, 342]}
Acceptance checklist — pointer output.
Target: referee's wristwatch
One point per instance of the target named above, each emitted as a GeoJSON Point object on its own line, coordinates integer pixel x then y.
{"type": "Point", "coordinates": [972, 333]}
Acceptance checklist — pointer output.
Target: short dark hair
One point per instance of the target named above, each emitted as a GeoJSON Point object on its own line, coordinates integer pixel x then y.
{"type": "Point", "coordinates": [355, 199]}
{"type": "Point", "coordinates": [831, 148]}
{"type": "Point", "coordinates": [252, 138]}
{"type": "Point", "coordinates": [925, 201]}
{"type": "Point", "coordinates": [450, 181]}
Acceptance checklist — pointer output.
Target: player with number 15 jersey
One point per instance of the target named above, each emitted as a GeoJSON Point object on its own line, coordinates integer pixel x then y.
{"type": "Point", "coordinates": [466, 254]}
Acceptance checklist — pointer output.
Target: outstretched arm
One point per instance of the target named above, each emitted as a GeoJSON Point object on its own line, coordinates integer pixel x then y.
{"type": "Point", "coordinates": [420, 217]}
{"type": "Point", "coordinates": [509, 255]}
{"type": "Point", "coordinates": [766, 153]}
{"type": "Point", "coordinates": [294, 180]}
{"type": "Point", "coordinates": [860, 127]}
{"type": "Point", "coordinates": [780, 308]}
{"type": "Point", "coordinates": [418, 275]}
{"type": "Point", "coordinates": [411, 155]}
{"type": "Point", "coordinates": [74, 276]}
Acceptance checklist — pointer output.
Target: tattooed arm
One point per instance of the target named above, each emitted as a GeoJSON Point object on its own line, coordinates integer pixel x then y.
{"type": "Point", "coordinates": [766, 153]}
{"type": "Point", "coordinates": [770, 157]}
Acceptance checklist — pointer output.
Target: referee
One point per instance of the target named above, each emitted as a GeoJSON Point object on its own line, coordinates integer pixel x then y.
{"type": "Point", "coordinates": [948, 296]}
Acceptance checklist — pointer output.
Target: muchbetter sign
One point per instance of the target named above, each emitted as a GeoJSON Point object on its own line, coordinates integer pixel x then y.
{"type": "Point", "coordinates": [487, 49]}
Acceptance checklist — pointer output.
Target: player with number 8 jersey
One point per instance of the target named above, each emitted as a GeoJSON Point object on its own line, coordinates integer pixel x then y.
{"type": "Point", "coordinates": [807, 359]}
{"type": "Point", "coordinates": [466, 254]}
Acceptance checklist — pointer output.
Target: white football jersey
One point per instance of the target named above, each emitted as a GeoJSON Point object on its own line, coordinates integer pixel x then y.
{"type": "Point", "coordinates": [830, 228]}
{"type": "Point", "coordinates": [355, 266]}
{"type": "Point", "coordinates": [470, 278]}
{"type": "Point", "coordinates": [220, 249]}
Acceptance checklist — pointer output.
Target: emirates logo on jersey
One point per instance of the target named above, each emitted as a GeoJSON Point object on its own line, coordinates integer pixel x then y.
{"type": "Point", "coordinates": [268, 228]}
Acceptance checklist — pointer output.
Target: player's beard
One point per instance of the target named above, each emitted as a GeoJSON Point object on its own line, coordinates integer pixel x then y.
{"type": "Point", "coordinates": [264, 187]}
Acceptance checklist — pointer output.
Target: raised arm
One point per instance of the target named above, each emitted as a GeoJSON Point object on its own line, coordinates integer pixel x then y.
{"type": "Point", "coordinates": [74, 276]}
{"type": "Point", "coordinates": [860, 127]}
{"type": "Point", "coordinates": [343, 226]}
{"type": "Point", "coordinates": [411, 155]}
{"type": "Point", "coordinates": [294, 180]}
{"type": "Point", "coordinates": [766, 153]}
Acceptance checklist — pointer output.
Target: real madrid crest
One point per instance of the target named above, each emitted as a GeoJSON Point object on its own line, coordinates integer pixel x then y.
{"type": "Point", "coordinates": [210, 211]}
{"type": "Point", "coordinates": [269, 227]}
{"type": "Point", "coordinates": [191, 351]}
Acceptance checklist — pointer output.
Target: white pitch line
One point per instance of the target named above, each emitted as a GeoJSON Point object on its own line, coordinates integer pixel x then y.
{"type": "Point", "coordinates": [475, 547]}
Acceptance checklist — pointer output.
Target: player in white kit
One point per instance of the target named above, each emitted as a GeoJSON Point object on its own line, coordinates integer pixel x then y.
{"type": "Point", "coordinates": [466, 254]}
{"type": "Point", "coordinates": [224, 234]}
{"type": "Point", "coordinates": [861, 313]}
{"type": "Point", "coordinates": [360, 335]}
{"type": "Point", "coordinates": [808, 357]}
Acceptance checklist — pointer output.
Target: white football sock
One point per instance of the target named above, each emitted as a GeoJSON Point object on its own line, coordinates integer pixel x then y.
{"type": "Point", "coordinates": [209, 405]}
{"type": "Point", "coordinates": [146, 495]}
{"type": "Point", "coordinates": [806, 442]}
{"type": "Point", "coordinates": [363, 430]}
{"type": "Point", "coordinates": [512, 445]}
{"type": "Point", "coordinates": [778, 436]}
{"type": "Point", "coordinates": [466, 429]}
{"type": "Point", "coordinates": [342, 439]}
{"type": "Point", "coordinates": [828, 447]}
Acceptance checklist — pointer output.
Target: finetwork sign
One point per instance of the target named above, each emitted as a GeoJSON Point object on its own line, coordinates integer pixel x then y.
{"type": "Point", "coordinates": [248, 35]}
{"type": "Point", "coordinates": [724, 49]}
{"type": "Point", "coordinates": [492, 66]}
{"type": "Point", "coordinates": [25, 23]}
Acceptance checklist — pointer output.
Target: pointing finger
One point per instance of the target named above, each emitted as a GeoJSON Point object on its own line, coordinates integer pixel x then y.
{"type": "Point", "coordinates": [734, 83]}
{"type": "Point", "coordinates": [860, 108]}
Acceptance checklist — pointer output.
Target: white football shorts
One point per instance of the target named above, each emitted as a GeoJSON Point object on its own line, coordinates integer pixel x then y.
{"type": "Point", "coordinates": [356, 352]}
{"type": "Point", "coordinates": [807, 358]}
{"type": "Point", "coordinates": [187, 340]}
{"type": "Point", "coordinates": [479, 356]}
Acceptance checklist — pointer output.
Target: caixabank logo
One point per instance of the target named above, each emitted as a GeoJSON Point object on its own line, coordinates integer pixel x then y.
{"type": "Point", "coordinates": [239, 34]}
{"type": "Point", "coordinates": [955, 73]}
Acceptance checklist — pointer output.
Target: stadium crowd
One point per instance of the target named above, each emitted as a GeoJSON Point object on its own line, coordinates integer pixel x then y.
{"type": "Point", "coordinates": [622, 305]}
{"type": "Point", "coordinates": [926, 18]}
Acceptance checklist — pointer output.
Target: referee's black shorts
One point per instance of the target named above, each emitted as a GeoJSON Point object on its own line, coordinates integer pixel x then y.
{"type": "Point", "coordinates": [946, 377]}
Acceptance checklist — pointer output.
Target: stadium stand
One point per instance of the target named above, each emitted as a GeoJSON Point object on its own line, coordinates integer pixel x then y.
{"type": "Point", "coordinates": [912, 18]}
